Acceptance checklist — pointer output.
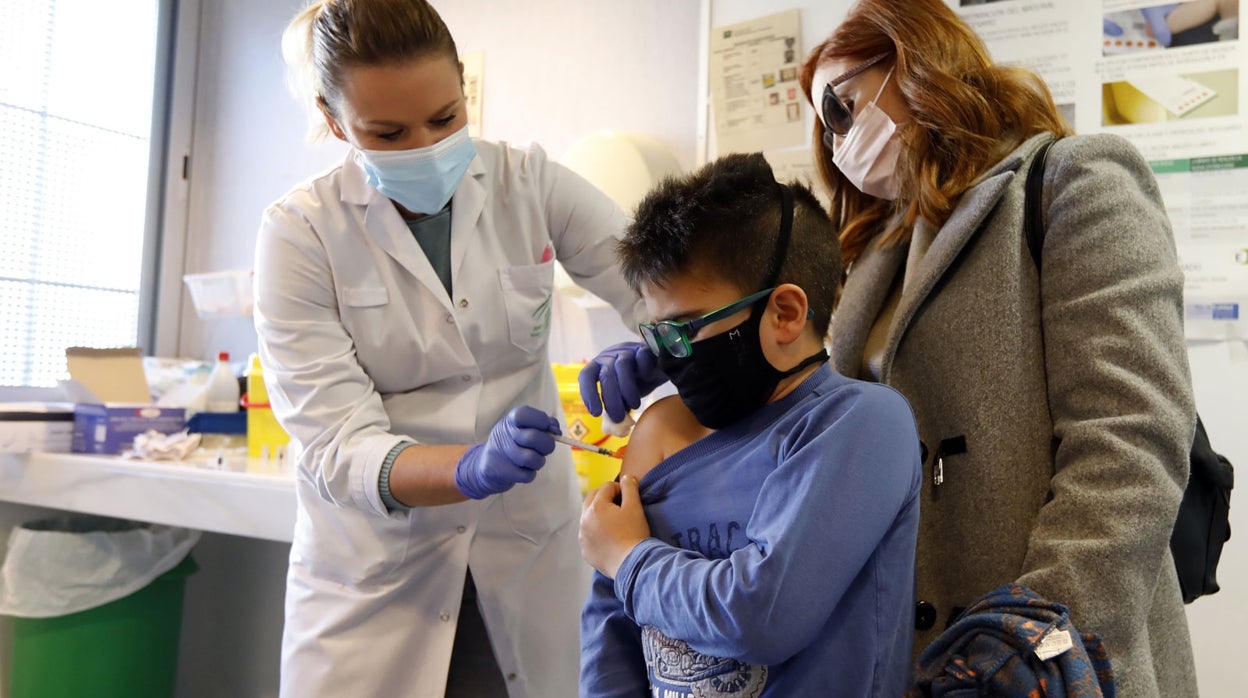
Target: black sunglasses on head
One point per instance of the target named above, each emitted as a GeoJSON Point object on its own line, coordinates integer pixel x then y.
{"type": "Point", "coordinates": [837, 119]}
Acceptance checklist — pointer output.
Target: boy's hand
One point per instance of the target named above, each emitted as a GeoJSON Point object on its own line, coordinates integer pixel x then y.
{"type": "Point", "coordinates": [609, 531]}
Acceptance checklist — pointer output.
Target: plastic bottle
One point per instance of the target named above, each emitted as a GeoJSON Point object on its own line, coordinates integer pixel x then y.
{"type": "Point", "coordinates": [222, 389]}
{"type": "Point", "coordinates": [265, 437]}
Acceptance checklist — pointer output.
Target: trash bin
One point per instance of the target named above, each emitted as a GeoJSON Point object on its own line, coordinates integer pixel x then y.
{"type": "Point", "coordinates": [97, 606]}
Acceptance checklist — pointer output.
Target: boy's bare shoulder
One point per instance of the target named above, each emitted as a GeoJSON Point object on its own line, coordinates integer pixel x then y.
{"type": "Point", "coordinates": [663, 428]}
{"type": "Point", "coordinates": [665, 408]}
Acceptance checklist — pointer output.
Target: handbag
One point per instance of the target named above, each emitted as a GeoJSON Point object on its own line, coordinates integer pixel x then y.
{"type": "Point", "coordinates": [1203, 524]}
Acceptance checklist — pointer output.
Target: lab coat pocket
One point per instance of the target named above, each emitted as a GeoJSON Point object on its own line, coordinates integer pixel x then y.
{"type": "Point", "coordinates": [537, 509]}
{"type": "Point", "coordinates": [526, 296]}
{"type": "Point", "coordinates": [365, 296]}
{"type": "Point", "coordinates": [353, 548]}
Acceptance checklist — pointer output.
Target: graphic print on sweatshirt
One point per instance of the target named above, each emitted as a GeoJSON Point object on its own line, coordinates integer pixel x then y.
{"type": "Point", "coordinates": [678, 671]}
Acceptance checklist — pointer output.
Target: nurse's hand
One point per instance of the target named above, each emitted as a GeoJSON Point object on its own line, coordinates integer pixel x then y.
{"type": "Point", "coordinates": [610, 531]}
{"type": "Point", "coordinates": [624, 373]}
{"type": "Point", "coordinates": [516, 450]}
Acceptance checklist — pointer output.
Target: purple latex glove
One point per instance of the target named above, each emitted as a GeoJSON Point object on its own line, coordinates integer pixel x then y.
{"type": "Point", "coordinates": [515, 451]}
{"type": "Point", "coordinates": [1156, 17]}
{"type": "Point", "coordinates": [623, 373]}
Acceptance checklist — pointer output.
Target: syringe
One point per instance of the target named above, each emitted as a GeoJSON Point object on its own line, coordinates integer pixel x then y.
{"type": "Point", "coordinates": [586, 446]}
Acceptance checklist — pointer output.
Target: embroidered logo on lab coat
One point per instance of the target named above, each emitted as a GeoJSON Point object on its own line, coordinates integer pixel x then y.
{"type": "Point", "coordinates": [542, 317]}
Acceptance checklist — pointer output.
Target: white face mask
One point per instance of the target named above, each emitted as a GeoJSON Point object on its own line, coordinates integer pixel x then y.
{"type": "Point", "coordinates": [867, 155]}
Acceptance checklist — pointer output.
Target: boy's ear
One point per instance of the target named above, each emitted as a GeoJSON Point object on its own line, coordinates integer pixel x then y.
{"type": "Point", "coordinates": [787, 312]}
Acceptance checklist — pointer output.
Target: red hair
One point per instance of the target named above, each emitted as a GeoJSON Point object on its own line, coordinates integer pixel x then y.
{"type": "Point", "coordinates": [966, 114]}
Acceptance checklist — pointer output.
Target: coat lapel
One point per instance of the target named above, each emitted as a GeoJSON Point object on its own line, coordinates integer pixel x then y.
{"type": "Point", "coordinates": [387, 228]}
{"type": "Point", "coordinates": [466, 208]}
{"type": "Point", "coordinates": [976, 204]}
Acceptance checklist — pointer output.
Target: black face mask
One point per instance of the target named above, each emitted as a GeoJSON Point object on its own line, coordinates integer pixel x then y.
{"type": "Point", "coordinates": [727, 377]}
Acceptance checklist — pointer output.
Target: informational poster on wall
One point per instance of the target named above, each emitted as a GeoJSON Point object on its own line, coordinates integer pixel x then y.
{"type": "Point", "coordinates": [1167, 77]}
{"type": "Point", "coordinates": [474, 87]}
{"type": "Point", "coordinates": [755, 97]}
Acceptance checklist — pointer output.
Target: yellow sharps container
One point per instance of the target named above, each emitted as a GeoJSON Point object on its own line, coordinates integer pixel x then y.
{"type": "Point", "coordinates": [264, 434]}
{"type": "Point", "coordinates": [592, 469]}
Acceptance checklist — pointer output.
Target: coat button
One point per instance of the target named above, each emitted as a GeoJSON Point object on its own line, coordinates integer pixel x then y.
{"type": "Point", "coordinates": [511, 677]}
{"type": "Point", "coordinates": [924, 616]}
{"type": "Point", "coordinates": [463, 302]}
{"type": "Point", "coordinates": [450, 319]}
{"type": "Point", "coordinates": [445, 617]}
{"type": "Point", "coordinates": [461, 529]}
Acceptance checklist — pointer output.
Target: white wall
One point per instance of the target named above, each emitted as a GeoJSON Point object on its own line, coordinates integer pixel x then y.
{"type": "Point", "coordinates": [248, 148]}
{"type": "Point", "coordinates": [1220, 378]}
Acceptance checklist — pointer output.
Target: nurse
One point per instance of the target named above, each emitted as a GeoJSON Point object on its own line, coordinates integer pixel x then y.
{"type": "Point", "coordinates": [403, 306]}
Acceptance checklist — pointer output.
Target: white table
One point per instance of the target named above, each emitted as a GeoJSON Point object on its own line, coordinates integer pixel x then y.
{"type": "Point", "coordinates": [256, 503]}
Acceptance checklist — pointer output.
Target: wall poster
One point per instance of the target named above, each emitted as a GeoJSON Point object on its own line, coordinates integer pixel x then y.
{"type": "Point", "coordinates": [755, 97]}
{"type": "Point", "coordinates": [1167, 77]}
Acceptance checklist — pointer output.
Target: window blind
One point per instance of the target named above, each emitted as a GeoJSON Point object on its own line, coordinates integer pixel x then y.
{"type": "Point", "coordinates": [76, 93]}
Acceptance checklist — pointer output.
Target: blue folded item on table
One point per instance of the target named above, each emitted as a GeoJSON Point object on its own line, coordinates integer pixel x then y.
{"type": "Point", "coordinates": [218, 423]}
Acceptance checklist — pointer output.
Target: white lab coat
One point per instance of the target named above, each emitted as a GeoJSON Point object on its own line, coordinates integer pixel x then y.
{"type": "Point", "coordinates": [362, 349]}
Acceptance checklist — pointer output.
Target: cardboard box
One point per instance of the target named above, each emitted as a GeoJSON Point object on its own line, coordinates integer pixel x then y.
{"type": "Point", "coordinates": [112, 402]}
{"type": "Point", "coordinates": [27, 427]}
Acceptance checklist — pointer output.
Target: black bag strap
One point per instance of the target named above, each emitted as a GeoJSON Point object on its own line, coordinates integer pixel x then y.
{"type": "Point", "coordinates": [1033, 203]}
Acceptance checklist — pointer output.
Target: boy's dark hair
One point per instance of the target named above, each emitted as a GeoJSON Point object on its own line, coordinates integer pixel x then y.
{"type": "Point", "coordinates": [724, 220]}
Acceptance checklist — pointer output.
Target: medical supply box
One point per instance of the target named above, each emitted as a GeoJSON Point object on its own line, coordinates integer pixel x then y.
{"type": "Point", "coordinates": [112, 402]}
{"type": "Point", "coordinates": [36, 426]}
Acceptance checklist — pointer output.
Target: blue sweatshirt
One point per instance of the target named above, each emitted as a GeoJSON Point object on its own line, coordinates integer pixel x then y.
{"type": "Point", "coordinates": [781, 561]}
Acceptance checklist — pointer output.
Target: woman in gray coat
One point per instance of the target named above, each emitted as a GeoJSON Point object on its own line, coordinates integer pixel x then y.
{"type": "Point", "coordinates": [1056, 408]}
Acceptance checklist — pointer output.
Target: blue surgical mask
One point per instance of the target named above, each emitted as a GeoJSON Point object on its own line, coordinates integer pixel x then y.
{"type": "Point", "coordinates": [421, 180]}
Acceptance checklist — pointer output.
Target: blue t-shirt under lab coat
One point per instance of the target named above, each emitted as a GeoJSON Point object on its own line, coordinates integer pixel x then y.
{"type": "Point", "coordinates": [433, 234]}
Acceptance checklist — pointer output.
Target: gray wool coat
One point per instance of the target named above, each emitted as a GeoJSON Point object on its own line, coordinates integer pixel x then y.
{"type": "Point", "coordinates": [1070, 389]}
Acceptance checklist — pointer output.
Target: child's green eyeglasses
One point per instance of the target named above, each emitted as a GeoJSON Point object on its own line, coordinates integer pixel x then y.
{"type": "Point", "coordinates": [674, 336]}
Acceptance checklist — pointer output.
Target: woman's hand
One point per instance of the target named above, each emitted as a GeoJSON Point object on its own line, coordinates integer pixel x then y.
{"type": "Point", "coordinates": [610, 531]}
{"type": "Point", "coordinates": [618, 378]}
{"type": "Point", "coordinates": [516, 450]}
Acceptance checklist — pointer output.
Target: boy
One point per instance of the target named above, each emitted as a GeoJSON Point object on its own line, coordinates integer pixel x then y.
{"type": "Point", "coordinates": [763, 544]}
